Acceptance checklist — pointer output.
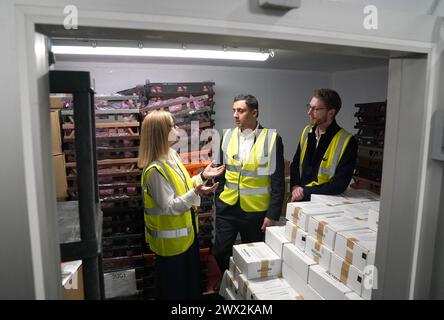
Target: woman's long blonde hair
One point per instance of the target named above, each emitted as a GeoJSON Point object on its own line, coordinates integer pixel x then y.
{"type": "Point", "coordinates": [154, 137]}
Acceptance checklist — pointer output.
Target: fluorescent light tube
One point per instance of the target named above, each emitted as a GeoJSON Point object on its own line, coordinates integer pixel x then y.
{"type": "Point", "coordinates": [160, 52]}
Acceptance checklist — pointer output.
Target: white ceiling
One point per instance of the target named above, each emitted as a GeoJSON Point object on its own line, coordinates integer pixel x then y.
{"type": "Point", "coordinates": [289, 55]}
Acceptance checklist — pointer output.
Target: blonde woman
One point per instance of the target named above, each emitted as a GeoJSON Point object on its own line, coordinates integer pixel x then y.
{"type": "Point", "coordinates": [170, 199]}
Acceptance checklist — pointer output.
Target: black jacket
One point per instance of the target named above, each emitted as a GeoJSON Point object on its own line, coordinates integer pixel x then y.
{"type": "Point", "coordinates": [277, 183]}
{"type": "Point", "coordinates": [312, 161]}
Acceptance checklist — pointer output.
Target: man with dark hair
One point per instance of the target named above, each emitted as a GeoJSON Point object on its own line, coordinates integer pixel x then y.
{"type": "Point", "coordinates": [251, 192]}
{"type": "Point", "coordinates": [326, 154]}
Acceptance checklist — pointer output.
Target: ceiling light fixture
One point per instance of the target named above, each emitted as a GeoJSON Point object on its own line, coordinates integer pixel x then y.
{"type": "Point", "coordinates": [161, 52]}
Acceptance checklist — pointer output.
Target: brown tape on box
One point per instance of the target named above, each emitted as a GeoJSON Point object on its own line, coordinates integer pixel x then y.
{"type": "Point", "coordinates": [351, 242]}
{"type": "Point", "coordinates": [264, 268]}
{"type": "Point", "coordinates": [317, 247]}
{"type": "Point", "coordinates": [349, 256]}
{"type": "Point", "coordinates": [294, 231]}
{"type": "Point", "coordinates": [244, 288]}
{"type": "Point", "coordinates": [349, 251]}
{"type": "Point", "coordinates": [296, 215]}
{"type": "Point", "coordinates": [320, 231]}
{"type": "Point", "coordinates": [344, 272]}
{"type": "Point", "coordinates": [230, 282]}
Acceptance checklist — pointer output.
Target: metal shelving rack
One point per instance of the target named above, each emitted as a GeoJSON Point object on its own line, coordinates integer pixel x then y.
{"type": "Point", "coordinates": [117, 133]}
{"type": "Point", "coordinates": [88, 248]}
{"type": "Point", "coordinates": [370, 137]}
{"type": "Point", "coordinates": [188, 102]}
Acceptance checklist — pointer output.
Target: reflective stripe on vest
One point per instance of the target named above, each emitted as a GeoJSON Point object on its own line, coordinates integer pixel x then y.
{"type": "Point", "coordinates": [331, 157]}
{"type": "Point", "coordinates": [258, 191]}
{"type": "Point", "coordinates": [168, 234]}
{"type": "Point", "coordinates": [303, 144]}
{"type": "Point", "coordinates": [250, 182]}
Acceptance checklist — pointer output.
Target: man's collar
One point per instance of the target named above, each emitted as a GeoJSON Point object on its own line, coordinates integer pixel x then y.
{"type": "Point", "coordinates": [258, 126]}
{"type": "Point", "coordinates": [332, 127]}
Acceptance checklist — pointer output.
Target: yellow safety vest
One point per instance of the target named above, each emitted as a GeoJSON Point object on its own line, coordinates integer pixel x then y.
{"type": "Point", "coordinates": [331, 157]}
{"type": "Point", "coordinates": [250, 181]}
{"type": "Point", "coordinates": [166, 234]}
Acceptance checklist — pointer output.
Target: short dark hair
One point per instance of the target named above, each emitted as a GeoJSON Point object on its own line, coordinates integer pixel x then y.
{"type": "Point", "coordinates": [250, 101]}
{"type": "Point", "coordinates": [331, 98]}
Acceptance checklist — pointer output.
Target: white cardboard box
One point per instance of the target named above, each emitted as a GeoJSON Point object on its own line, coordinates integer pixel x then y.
{"type": "Point", "coordinates": [360, 195]}
{"type": "Point", "coordinates": [275, 239]}
{"type": "Point", "coordinates": [352, 296]}
{"type": "Point", "coordinates": [321, 281]}
{"type": "Point", "coordinates": [373, 219]}
{"type": "Point", "coordinates": [244, 284]}
{"type": "Point", "coordinates": [318, 252]}
{"type": "Point", "coordinates": [223, 284]}
{"type": "Point", "coordinates": [357, 211]}
{"type": "Point", "coordinates": [232, 283]}
{"type": "Point", "coordinates": [324, 227]}
{"type": "Point", "coordinates": [295, 235]}
{"type": "Point", "coordinates": [298, 284]}
{"type": "Point", "coordinates": [329, 200]}
{"type": "Point", "coordinates": [234, 269]}
{"type": "Point", "coordinates": [346, 273]}
{"type": "Point", "coordinates": [299, 261]}
{"type": "Point", "coordinates": [229, 295]}
{"type": "Point", "coordinates": [72, 280]}
{"type": "Point", "coordinates": [232, 265]}
{"type": "Point", "coordinates": [287, 293]}
{"type": "Point", "coordinates": [356, 247]}
{"type": "Point", "coordinates": [257, 260]}
{"type": "Point", "coordinates": [254, 286]}
{"type": "Point", "coordinates": [229, 284]}
{"type": "Point", "coordinates": [120, 283]}
{"type": "Point", "coordinates": [375, 205]}
{"type": "Point", "coordinates": [300, 212]}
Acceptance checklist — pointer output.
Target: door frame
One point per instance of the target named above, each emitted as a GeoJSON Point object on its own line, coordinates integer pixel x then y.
{"type": "Point", "coordinates": [40, 188]}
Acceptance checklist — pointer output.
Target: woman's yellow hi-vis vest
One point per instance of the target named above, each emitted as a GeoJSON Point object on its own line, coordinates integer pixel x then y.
{"type": "Point", "coordinates": [331, 157]}
{"type": "Point", "coordinates": [166, 234]}
{"type": "Point", "coordinates": [250, 181]}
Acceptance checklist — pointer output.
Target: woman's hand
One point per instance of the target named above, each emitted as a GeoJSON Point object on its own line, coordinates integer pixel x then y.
{"type": "Point", "coordinates": [202, 189]}
{"type": "Point", "coordinates": [210, 172]}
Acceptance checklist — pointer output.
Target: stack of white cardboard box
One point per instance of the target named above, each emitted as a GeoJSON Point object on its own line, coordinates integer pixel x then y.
{"type": "Point", "coordinates": [321, 252]}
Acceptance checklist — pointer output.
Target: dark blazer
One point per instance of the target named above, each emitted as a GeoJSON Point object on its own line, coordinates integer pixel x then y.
{"type": "Point", "coordinates": [312, 161]}
{"type": "Point", "coordinates": [277, 183]}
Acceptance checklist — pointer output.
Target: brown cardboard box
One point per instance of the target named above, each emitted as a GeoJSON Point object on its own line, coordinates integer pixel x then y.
{"type": "Point", "coordinates": [60, 176]}
{"type": "Point", "coordinates": [287, 195]}
{"type": "Point", "coordinates": [286, 168]}
{"type": "Point", "coordinates": [72, 280]}
{"type": "Point", "coordinates": [56, 141]}
{"type": "Point", "coordinates": [56, 102]}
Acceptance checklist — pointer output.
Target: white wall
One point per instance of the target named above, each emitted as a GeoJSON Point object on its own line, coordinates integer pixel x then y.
{"type": "Point", "coordinates": [282, 94]}
{"type": "Point", "coordinates": [358, 86]}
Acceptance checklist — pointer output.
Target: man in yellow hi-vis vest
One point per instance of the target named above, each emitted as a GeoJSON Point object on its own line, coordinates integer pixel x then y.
{"type": "Point", "coordinates": [250, 193]}
{"type": "Point", "coordinates": [326, 154]}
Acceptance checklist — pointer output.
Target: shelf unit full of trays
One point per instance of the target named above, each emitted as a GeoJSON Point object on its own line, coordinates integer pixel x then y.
{"type": "Point", "coordinates": [370, 137]}
{"type": "Point", "coordinates": [325, 251]}
{"type": "Point", "coordinates": [191, 104]}
{"type": "Point", "coordinates": [128, 271]}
